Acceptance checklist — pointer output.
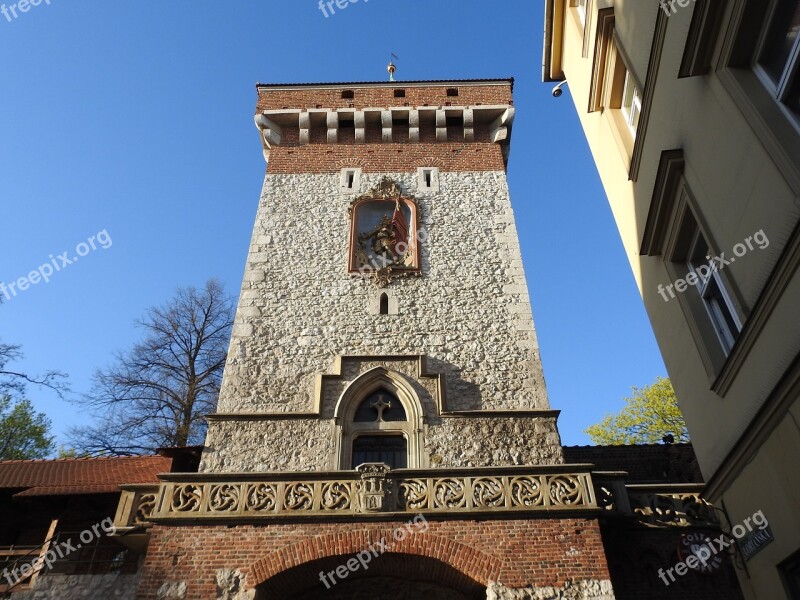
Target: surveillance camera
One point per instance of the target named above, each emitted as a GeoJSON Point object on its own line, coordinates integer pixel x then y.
{"type": "Point", "coordinates": [557, 91]}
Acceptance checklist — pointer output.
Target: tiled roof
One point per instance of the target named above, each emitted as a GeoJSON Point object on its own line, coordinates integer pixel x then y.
{"type": "Point", "coordinates": [69, 476]}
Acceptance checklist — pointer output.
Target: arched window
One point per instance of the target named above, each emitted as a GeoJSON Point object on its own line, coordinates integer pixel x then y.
{"type": "Point", "coordinates": [384, 308]}
{"type": "Point", "coordinates": [375, 425]}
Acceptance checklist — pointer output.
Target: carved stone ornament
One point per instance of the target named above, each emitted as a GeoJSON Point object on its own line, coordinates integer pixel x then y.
{"type": "Point", "coordinates": [382, 277]}
{"type": "Point", "coordinates": [372, 490]}
{"type": "Point", "coordinates": [387, 189]}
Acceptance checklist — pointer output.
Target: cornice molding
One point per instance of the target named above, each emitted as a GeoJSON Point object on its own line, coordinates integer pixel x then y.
{"type": "Point", "coordinates": [702, 37]}
{"type": "Point", "coordinates": [774, 409]}
{"type": "Point", "coordinates": [665, 193]}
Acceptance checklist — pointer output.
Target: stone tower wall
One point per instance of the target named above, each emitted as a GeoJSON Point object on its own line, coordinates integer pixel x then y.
{"type": "Point", "coordinates": [468, 312]}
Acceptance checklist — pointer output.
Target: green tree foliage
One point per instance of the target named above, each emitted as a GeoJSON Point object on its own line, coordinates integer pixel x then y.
{"type": "Point", "coordinates": [650, 414]}
{"type": "Point", "coordinates": [24, 433]}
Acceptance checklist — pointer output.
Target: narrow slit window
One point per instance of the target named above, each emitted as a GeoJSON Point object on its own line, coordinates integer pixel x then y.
{"type": "Point", "coordinates": [350, 180]}
{"type": "Point", "coordinates": [384, 304]}
{"type": "Point", "coordinates": [428, 179]}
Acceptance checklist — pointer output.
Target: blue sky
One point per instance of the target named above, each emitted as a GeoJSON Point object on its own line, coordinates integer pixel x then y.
{"type": "Point", "coordinates": [136, 118]}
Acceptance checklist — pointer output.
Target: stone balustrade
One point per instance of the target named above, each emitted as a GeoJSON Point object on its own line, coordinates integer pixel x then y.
{"type": "Point", "coordinates": [655, 505]}
{"type": "Point", "coordinates": [372, 489]}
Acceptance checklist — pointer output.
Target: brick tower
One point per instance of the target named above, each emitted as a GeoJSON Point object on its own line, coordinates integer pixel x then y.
{"type": "Point", "coordinates": [383, 428]}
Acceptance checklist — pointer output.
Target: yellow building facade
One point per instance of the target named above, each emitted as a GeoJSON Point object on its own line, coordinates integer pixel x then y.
{"type": "Point", "coordinates": [692, 113]}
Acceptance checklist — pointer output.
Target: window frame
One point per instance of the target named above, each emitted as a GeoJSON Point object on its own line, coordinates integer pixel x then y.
{"type": "Point", "coordinates": [697, 314]}
{"type": "Point", "coordinates": [789, 571]}
{"type": "Point", "coordinates": [775, 124]}
{"type": "Point", "coordinates": [348, 429]}
{"type": "Point", "coordinates": [428, 179]}
{"type": "Point", "coordinates": [616, 79]}
{"type": "Point", "coordinates": [350, 180]}
{"type": "Point", "coordinates": [790, 73]}
{"type": "Point", "coordinates": [633, 111]}
{"type": "Point", "coordinates": [364, 385]}
{"type": "Point", "coordinates": [673, 223]}
{"type": "Point", "coordinates": [705, 287]}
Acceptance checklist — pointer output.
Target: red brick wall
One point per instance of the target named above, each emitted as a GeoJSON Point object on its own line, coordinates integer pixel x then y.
{"type": "Point", "coordinates": [516, 552]}
{"type": "Point", "coordinates": [386, 158]}
{"type": "Point", "coordinates": [374, 156]}
{"type": "Point", "coordinates": [383, 97]}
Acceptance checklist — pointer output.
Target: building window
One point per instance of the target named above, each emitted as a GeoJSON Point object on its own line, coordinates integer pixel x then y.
{"type": "Point", "coordinates": [428, 179]}
{"type": "Point", "coordinates": [614, 88]}
{"type": "Point", "coordinates": [705, 292]}
{"type": "Point", "coordinates": [379, 430]}
{"type": "Point", "coordinates": [790, 573]}
{"type": "Point", "coordinates": [399, 93]}
{"type": "Point", "coordinates": [452, 92]}
{"type": "Point", "coordinates": [760, 68]}
{"type": "Point", "coordinates": [709, 285]}
{"type": "Point", "coordinates": [348, 94]}
{"type": "Point", "coordinates": [384, 304]}
{"type": "Point", "coordinates": [350, 181]}
{"type": "Point", "coordinates": [631, 104]}
{"type": "Point", "coordinates": [379, 402]}
{"type": "Point", "coordinates": [694, 279]}
{"type": "Point", "coordinates": [777, 59]}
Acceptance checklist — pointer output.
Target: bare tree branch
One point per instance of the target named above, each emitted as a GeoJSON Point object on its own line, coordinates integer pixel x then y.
{"type": "Point", "coordinates": [14, 382]}
{"type": "Point", "coordinates": [157, 393]}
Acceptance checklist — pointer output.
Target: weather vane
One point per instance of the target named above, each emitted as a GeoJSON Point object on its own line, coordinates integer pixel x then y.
{"type": "Point", "coordinates": [392, 68]}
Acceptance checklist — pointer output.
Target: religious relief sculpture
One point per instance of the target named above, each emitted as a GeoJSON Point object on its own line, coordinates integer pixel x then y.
{"type": "Point", "coordinates": [383, 239]}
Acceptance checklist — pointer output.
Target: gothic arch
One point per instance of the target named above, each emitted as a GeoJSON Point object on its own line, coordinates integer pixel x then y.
{"type": "Point", "coordinates": [302, 560]}
{"type": "Point", "coordinates": [375, 379]}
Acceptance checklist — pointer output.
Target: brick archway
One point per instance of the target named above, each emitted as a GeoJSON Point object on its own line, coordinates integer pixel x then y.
{"type": "Point", "coordinates": [466, 560]}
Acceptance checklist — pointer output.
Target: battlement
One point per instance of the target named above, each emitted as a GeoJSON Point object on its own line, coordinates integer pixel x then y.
{"type": "Point", "coordinates": [466, 111]}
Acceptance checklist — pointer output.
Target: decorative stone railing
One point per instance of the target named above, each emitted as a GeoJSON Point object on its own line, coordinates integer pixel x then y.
{"type": "Point", "coordinates": [373, 489]}
{"type": "Point", "coordinates": [655, 505]}
{"type": "Point", "coordinates": [135, 506]}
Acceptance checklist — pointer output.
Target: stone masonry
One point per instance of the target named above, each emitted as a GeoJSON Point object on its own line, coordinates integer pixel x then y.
{"type": "Point", "coordinates": [275, 504]}
{"type": "Point", "coordinates": [300, 310]}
